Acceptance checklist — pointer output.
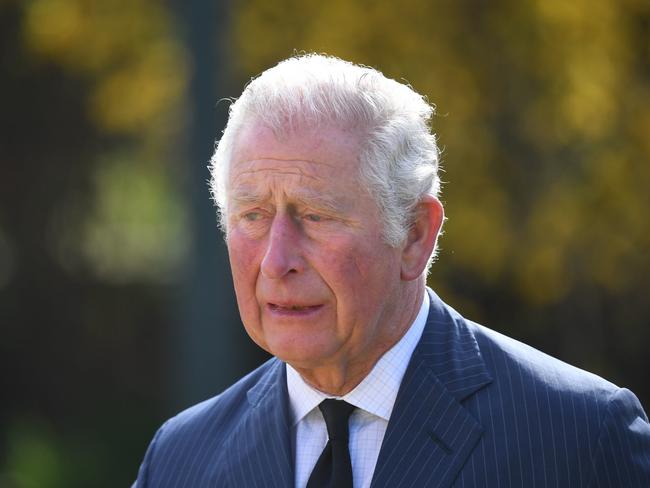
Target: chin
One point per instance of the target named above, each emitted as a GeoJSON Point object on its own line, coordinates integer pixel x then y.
{"type": "Point", "coordinates": [300, 356]}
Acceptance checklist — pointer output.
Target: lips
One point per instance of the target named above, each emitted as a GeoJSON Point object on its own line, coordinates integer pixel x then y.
{"type": "Point", "coordinates": [292, 308]}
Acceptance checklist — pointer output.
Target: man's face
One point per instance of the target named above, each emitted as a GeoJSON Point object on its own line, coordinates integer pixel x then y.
{"type": "Point", "coordinates": [316, 284]}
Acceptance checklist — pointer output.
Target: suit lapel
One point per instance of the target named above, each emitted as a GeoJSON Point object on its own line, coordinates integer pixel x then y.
{"type": "Point", "coordinates": [259, 450]}
{"type": "Point", "coordinates": [430, 434]}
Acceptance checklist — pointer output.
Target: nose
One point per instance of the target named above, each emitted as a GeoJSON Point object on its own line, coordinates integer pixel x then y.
{"type": "Point", "coordinates": [283, 254]}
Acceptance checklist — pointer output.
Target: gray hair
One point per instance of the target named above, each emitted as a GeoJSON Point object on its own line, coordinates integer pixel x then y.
{"type": "Point", "coordinates": [399, 155]}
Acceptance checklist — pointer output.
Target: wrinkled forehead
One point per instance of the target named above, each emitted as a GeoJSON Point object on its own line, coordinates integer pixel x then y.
{"type": "Point", "coordinates": [312, 165]}
{"type": "Point", "coordinates": [310, 152]}
{"type": "Point", "coordinates": [310, 141]}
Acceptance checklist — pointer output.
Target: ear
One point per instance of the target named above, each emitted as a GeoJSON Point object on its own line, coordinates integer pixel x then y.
{"type": "Point", "coordinates": [422, 237]}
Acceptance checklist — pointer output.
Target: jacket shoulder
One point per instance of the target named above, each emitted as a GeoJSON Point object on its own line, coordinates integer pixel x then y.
{"type": "Point", "coordinates": [556, 422]}
{"type": "Point", "coordinates": [505, 356]}
{"type": "Point", "coordinates": [223, 409]}
{"type": "Point", "coordinates": [196, 435]}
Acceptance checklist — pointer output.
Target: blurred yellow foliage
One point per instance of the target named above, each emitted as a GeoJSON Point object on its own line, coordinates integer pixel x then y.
{"type": "Point", "coordinates": [135, 65]}
{"type": "Point", "coordinates": [135, 95]}
{"type": "Point", "coordinates": [586, 57]}
{"type": "Point", "coordinates": [127, 48]}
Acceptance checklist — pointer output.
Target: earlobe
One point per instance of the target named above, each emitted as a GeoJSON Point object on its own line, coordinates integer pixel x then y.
{"type": "Point", "coordinates": [422, 237]}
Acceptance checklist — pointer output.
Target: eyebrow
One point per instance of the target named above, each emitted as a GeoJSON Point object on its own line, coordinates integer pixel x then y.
{"type": "Point", "coordinates": [308, 199]}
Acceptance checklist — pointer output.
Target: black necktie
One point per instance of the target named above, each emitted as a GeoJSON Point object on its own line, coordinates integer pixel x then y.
{"type": "Point", "coordinates": [334, 469]}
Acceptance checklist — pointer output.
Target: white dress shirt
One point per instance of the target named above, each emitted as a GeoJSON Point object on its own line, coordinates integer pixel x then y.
{"type": "Point", "coordinates": [374, 398]}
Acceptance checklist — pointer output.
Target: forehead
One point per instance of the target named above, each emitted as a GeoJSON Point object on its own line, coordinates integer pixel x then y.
{"type": "Point", "coordinates": [310, 158]}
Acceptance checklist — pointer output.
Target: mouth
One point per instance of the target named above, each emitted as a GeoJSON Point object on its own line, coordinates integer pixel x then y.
{"type": "Point", "coordinates": [293, 309]}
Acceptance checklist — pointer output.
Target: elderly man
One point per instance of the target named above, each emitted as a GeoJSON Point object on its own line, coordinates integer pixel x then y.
{"type": "Point", "coordinates": [326, 181]}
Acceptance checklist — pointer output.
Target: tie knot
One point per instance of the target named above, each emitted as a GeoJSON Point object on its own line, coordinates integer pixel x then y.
{"type": "Point", "coordinates": [336, 414]}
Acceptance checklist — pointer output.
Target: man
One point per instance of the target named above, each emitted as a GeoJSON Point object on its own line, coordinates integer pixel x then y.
{"type": "Point", "coordinates": [326, 181]}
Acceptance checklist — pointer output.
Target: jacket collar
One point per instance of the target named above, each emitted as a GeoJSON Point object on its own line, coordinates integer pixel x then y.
{"type": "Point", "coordinates": [449, 349]}
{"type": "Point", "coordinates": [260, 453]}
{"type": "Point", "coordinates": [430, 434]}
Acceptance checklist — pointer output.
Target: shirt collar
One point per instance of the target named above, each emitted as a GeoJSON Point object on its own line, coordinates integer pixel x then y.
{"type": "Point", "coordinates": [377, 392]}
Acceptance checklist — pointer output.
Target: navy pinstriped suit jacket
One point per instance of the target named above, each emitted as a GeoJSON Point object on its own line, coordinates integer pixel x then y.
{"type": "Point", "coordinates": [475, 409]}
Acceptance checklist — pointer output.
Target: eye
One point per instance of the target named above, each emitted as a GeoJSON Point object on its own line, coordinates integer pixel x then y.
{"type": "Point", "coordinates": [252, 216]}
{"type": "Point", "coordinates": [314, 218]}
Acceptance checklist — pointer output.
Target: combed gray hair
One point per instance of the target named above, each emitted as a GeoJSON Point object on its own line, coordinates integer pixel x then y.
{"type": "Point", "coordinates": [399, 155]}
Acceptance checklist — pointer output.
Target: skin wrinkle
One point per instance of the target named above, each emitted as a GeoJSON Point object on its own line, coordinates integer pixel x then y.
{"type": "Point", "coordinates": [304, 195]}
{"type": "Point", "coordinates": [278, 172]}
{"type": "Point", "coordinates": [299, 170]}
{"type": "Point", "coordinates": [313, 200]}
{"type": "Point", "coordinates": [295, 160]}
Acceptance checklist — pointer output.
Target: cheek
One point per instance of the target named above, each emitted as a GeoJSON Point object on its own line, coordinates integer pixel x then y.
{"type": "Point", "coordinates": [357, 273]}
{"type": "Point", "coordinates": [244, 263]}
{"type": "Point", "coordinates": [340, 267]}
{"type": "Point", "coordinates": [375, 275]}
{"type": "Point", "coordinates": [373, 263]}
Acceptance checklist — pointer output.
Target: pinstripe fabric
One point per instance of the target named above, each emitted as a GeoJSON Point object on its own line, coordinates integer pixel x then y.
{"type": "Point", "coordinates": [239, 438]}
{"type": "Point", "coordinates": [475, 409]}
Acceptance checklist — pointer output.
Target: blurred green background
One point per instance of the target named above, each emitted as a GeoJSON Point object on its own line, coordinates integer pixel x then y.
{"type": "Point", "coordinates": [116, 308]}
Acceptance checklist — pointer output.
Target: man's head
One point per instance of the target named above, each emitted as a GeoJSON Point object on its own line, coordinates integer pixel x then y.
{"type": "Point", "coordinates": [398, 155]}
{"type": "Point", "coordinates": [326, 180]}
